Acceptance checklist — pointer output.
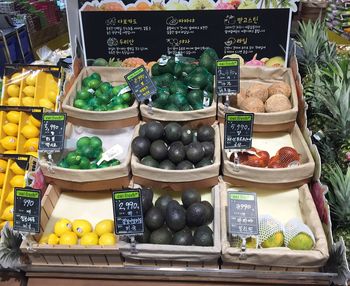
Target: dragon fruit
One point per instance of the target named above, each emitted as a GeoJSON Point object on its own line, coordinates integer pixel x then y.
{"type": "Point", "coordinates": [254, 62]}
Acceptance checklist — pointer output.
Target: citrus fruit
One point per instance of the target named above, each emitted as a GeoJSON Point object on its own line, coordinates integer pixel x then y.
{"type": "Point", "coordinates": [13, 116]}
{"type": "Point", "coordinates": [44, 102]}
{"type": "Point", "coordinates": [13, 90]}
{"type": "Point", "coordinates": [94, 84]}
{"type": "Point", "coordinates": [80, 103]}
{"type": "Point", "coordinates": [81, 227]}
{"type": "Point", "coordinates": [13, 101]}
{"type": "Point", "coordinates": [31, 79]}
{"type": "Point", "coordinates": [28, 101]}
{"type": "Point", "coordinates": [53, 239]}
{"type": "Point", "coordinates": [10, 152]}
{"type": "Point", "coordinates": [107, 239]}
{"type": "Point", "coordinates": [84, 163]}
{"type": "Point", "coordinates": [83, 95]}
{"type": "Point", "coordinates": [89, 238]}
{"type": "Point", "coordinates": [44, 238]}
{"type": "Point", "coordinates": [34, 154]}
{"type": "Point", "coordinates": [95, 142]}
{"type": "Point", "coordinates": [61, 226]}
{"type": "Point", "coordinates": [53, 85]}
{"type": "Point", "coordinates": [29, 91]}
{"type": "Point", "coordinates": [104, 226]}
{"type": "Point", "coordinates": [95, 75]}
{"type": "Point", "coordinates": [52, 95]}
{"type": "Point", "coordinates": [2, 178]}
{"type": "Point", "coordinates": [7, 213]}
{"type": "Point", "coordinates": [10, 198]}
{"type": "Point", "coordinates": [30, 131]}
{"type": "Point", "coordinates": [3, 165]}
{"type": "Point", "coordinates": [17, 169]}
{"type": "Point", "coordinates": [73, 158]}
{"type": "Point", "coordinates": [83, 142]}
{"type": "Point", "coordinates": [9, 142]}
{"type": "Point", "coordinates": [17, 181]}
{"type": "Point", "coordinates": [10, 129]}
{"type": "Point", "coordinates": [68, 238]}
{"type": "Point", "coordinates": [31, 145]}
{"type": "Point", "coordinates": [126, 97]}
{"type": "Point", "coordinates": [16, 78]}
{"type": "Point", "coordinates": [34, 121]}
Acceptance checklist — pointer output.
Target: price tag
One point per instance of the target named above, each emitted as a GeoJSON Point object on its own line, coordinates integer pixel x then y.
{"type": "Point", "coordinates": [227, 77]}
{"type": "Point", "coordinates": [141, 84]}
{"type": "Point", "coordinates": [27, 210]}
{"type": "Point", "coordinates": [238, 130]}
{"type": "Point", "coordinates": [242, 213]}
{"type": "Point", "coordinates": [127, 207]}
{"type": "Point", "coordinates": [53, 127]}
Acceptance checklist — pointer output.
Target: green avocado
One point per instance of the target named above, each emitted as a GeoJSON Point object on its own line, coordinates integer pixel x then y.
{"type": "Point", "coordinates": [155, 70]}
{"type": "Point", "coordinates": [183, 237]}
{"type": "Point", "coordinates": [162, 203]}
{"type": "Point", "coordinates": [171, 107]}
{"type": "Point", "coordinates": [179, 99]}
{"type": "Point", "coordinates": [198, 80]}
{"type": "Point", "coordinates": [172, 132]}
{"type": "Point", "coordinates": [167, 79]}
{"type": "Point", "coordinates": [175, 217]}
{"type": "Point", "coordinates": [154, 218]}
{"type": "Point", "coordinates": [178, 86]}
{"type": "Point", "coordinates": [150, 162]}
{"type": "Point", "coordinates": [195, 97]}
{"type": "Point", "coordinates": [196, 214]}
{"type": "Point", "coordinates": [203, 236]}
{"type": "Point", "coordinates": [161, 236]}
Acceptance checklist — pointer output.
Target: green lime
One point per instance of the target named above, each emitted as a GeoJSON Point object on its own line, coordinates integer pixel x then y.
{"type": "Point", "coordinates": [104, 98]}
{"type": "Point", "coordinates": [73, 158]}
{"type": "Point", "coordinates": [105, 87]}
{"type": "Point", "coordinates": [117, 89]}
{"type": "Point", "coordinates": [126, 97]}
{"type": "Point", "coordinates": [86, 81]}
{"type": "Point", "coordinates": [93, 166]}
{"type": "Point", "coordinates": [101, 108]}
{"type": "Point", "coordinates": [63, 164]}
{"type": "Point", "coordinates": [83, 141]}
{"type": "Point", "coordinates": [79, 103]}
{"type": "Point", "coordinates": [84, 163]}
{"type": "Point", "coordinates": [95, 75]}
{"type": "Point", "coordinates": [87, 151]}
{"type": "Point", "coordinates": [114, 162]}
{"type": "Point", "coordinates": [83, 94]}
{"type": "Point", "coordinates": [118, 107]}
{"type": "Point", "coordinates": [74, 167]}
{"type": "Point", "coordinates": [94, 84]}
{"type": "Point", "coordinates": [87, 107]}
{"type": "Point", "coordinates": [98, 93]}
{"type": "Point", "coordinates": [94, 102]}
{"type": "Point", "coordinates": [96, 143]}
{"type": "Point", "coordinates": [117, 100]}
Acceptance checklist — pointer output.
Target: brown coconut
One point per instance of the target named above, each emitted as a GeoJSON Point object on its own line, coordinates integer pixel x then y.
{"type": "Point", "coordinates": [237, 100]}
{"type": "Point", "coordinates": [280, 87]}
{"type": "Point", "coordinates": [258, 90]}
{"type": "Point", "coordinates": [277, 102]}
{"type": "Point", "coordinates": [253, 104]}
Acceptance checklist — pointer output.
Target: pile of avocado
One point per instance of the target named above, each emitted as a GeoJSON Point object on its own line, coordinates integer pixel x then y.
{"type": "Point", "coordinates": [185, 86]}
{"type": "Point", "coordinates": [88, 153]}
{"type": "Point", "coordinates": [101, 96]}
{"type": "Point", "coordinates": [168, 222]}
{"type": "Point", "coordinates": [174, 147]}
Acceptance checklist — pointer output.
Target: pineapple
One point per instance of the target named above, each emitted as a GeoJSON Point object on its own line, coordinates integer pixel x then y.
{"type": "Point", "coordinates": [339, 198]}
{"type": "Point", "coordinates": [344, 154]}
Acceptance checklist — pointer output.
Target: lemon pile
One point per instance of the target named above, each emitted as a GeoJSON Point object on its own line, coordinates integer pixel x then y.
{"type": "Point", "coordinates": [10, 128]}
{"type": "Point", "coordinates": [16, 181]}
{"type": "Point", "coordinates": [49, 99]}
{"type": "Point", "coordinates": [13, 90]}
{"type": "Point", "coordinates": [31, 131]}
{"type": "Point", "coordinates": [28, 92]}
{"type": "Point", "coordinates": [81, 232]}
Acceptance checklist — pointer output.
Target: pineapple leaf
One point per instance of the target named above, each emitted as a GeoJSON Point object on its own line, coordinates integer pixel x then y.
{"type": "Point", "coordinates": [10, 253]}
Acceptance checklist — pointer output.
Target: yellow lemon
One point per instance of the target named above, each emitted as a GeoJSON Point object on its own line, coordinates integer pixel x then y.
{"type": "Point", "coordinates": [31, 145]}
{"type": "Point", "coordinates": [3, 165]}
{"type": "Point", "coordinates": [28, 101]}
{"type": "Point", "coordinates": [13, 90]}
{"type": "Point", "coordinates": [68, 238]}
{"type": "Point", "coordinates": [10, 197]}
{"type": "Point", "coordinates": [7, 213]}
{"type": "Point", "coordinates": [53, 239]}
{"type": "Point", "coordinates": [61, 226]}
{"type": "Point", "coordinates": [34, 121]}
{"type": "Point", "coordinates": [9, 142]}
{"type": "Point", "coordinates": [104, 226]}
{"type": "Point", "coordinates": [17, 169]}
{"type": "Point", "coordinates": [52, 95]}
{"type": "Point", "coordinates": [81, 227]}
{"type": "Point", "coordinates": [53, 85]}
{"type": "Point", "coordinates": [107, 239]}
{"type": "Point", "coordinates": [89, 238]}
{"type": "Point", "coordinates": [30, 131]}
{"type": "Point", "coordinates": [17, 181]}
{"type": "Point", "coordinates": [34, 154]}
{"type": "Point", "coordinates": [2, 178]}
{"type": "Point", "coordinates": [44, 239]}
{"type": "Point", "coordinates": [16, 78]}
{"type": "Point", "coordinates": [13, 116]}
{"type": "Point", "coordinates": [13, 101]}
{"type": "Point", "coordinates": [29, 91]}
{"type": "Point", "coordinates": [31, 79]}
{"type": "Point", "coordinates": [44, 102]}
{"type": "Point", "coordinates": [10, 152]}
{"type": "Point", "coordinates": [10, 129]}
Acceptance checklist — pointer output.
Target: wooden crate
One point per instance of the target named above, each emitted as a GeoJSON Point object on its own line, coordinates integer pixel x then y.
{"type": "Point", "coordinates": [62, 255]}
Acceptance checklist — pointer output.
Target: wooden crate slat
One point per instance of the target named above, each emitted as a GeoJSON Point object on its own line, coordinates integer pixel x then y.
{"type": "Point", "coordinates": [68, 259]}
{"type": "Point", "coordinates": [114, 260]}
{"type": "Point", "coordinates": [99, 260]}
{"type": "Point", "coordinates": [53, 259]}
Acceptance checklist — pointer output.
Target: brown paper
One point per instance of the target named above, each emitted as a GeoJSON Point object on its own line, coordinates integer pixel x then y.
{"type": "Point", "coordinates": [267, 122]}
{"type": "Point", "coordinates": [280, 257]}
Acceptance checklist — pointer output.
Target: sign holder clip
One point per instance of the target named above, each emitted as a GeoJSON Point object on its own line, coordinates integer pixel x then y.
{"type": "Point", "coordinates": [235, 160]}
{"type": "Point", "coordinates": [243, 254]}
{"type": "Point", "coordinates": [50, 162]}
{"type": "Point", "coordinates": [133, 245]}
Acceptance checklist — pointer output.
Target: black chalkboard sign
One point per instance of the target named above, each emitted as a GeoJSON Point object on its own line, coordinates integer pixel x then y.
{"type": "Point", "coordinates": [150, 34]}
{"type": "Point", "coordinates": [227, 77]}
{"type": "Point", "coordinates": [127, 207]}
{"type": "Point", "coordinates": [27, 210]}
{"type": "Point", "coordinates": [242, 213]}
{"type": "Point", "coordinates": [238, 130]}
{"type": "Point", "coordinates": [141, 84]}
{"type": "Point", "coordinates": [53, 127]}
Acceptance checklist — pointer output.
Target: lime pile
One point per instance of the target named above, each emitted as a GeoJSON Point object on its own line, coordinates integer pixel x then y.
{"type": "Point", "coordinates": [101, 96]}
{"type": "Point", "coordinates": [80, 231]}
{"type": "Point", "coordinates": [88, 152]}
{"type": "Point", "coordinates": [185, 86]}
